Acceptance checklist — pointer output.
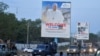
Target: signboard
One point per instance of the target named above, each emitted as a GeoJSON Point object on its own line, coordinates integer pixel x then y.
{"type": "Point", "coordinates": [83, 31]}
{"type": "Point", "coordinates": [55, 19]}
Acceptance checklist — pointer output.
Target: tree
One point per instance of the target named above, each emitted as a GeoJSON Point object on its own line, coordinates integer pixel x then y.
{"type": "Point", "coordinates": [3, 7]}
{"type": "Point", "coordinates": [93, 37]}
{"type": "Point", "coordinates": [8, 23]}
{"type": "Point", "coordinates": [22, 30]}
{"type": "Point", "coordinates": [8, 26]}
{"type": "Point", "coordinates": [98, 34]}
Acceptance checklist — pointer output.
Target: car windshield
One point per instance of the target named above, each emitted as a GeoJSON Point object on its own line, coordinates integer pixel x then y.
{"type": "Point", "coordinates": [73, 47]}
{"type": "Point", "coordinates": [41, 47]}
{"type": "Point", "coordinates": [29, 48]}
{"type": "Point", "coordinates": [83, 47]}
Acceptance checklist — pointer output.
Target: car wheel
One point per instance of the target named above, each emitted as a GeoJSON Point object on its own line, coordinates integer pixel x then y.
{"type": "Point", "coordinates": [52, 54]}
{"type": "Point", "coordinates": [75, 54]}
{"type": "Point", "coordinates": [78, 54]}
{"type": "Point", "coordinates": [7, 54]}
{"type": "Point", "coordinates": [33, 55]}
{"type": "Point", "coordinates": [72, 54]}
{"type": "Point", "coordinates": [43, 54]}
{"type": "Point", "coordinates": [25, 51]}
{"type": "Point", "coordinates": [67, 54]}
{"type": "Point", "coordinates": [12, 54]}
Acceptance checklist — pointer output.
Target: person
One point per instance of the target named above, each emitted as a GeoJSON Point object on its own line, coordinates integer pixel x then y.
{"type": "Point", "coordinates": [61, 53]}
{"type": "Point", "coordinates": [52, 15]}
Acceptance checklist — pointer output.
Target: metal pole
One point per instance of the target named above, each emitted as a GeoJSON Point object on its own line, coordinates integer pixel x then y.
{"type": "Point", "coordinates": [82, 43]}
{"type": "Point", "coordinates": [27, 34]}
{"type": "Point", "coordinates": [56, 40]}
{"type": "Point", "coordinates": [71, 38]}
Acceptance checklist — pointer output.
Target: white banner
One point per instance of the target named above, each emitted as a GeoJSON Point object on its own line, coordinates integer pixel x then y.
{"type": "Point", "coordinates": [83, 31]}
{"type": "Point", "coordinates": [56, 17]}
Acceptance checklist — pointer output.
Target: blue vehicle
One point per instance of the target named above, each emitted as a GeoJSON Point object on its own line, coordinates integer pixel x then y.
{"type": "Point", "coordinates": [45, 49]}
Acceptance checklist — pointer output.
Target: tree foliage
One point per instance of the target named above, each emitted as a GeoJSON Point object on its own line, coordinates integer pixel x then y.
{"type": "Point", "coordinates": [8, 26]}
{"type": "Point", "coordinates": [93, 37]}
{"type": "Point", "coordinates": [3, 7]}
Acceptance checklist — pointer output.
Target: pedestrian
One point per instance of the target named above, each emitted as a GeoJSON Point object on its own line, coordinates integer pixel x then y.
{"type": "Point", "coordinates": [61, 53]}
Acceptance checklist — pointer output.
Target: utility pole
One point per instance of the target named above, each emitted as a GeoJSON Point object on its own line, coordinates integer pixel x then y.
{"type": "Point", "coordinates": [28, 34]}
{"type": "Point", "coordinates": [71, 38]}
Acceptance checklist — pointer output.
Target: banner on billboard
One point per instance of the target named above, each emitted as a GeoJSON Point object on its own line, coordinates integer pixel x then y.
{"type": "Point", "coordinates": [55, 19]}
{"type": "Point", "coordinates": [83, 31]}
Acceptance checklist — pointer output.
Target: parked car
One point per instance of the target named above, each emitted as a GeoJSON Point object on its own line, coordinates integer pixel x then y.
{"type": "Point", "coordinates": [45, 49]}
{"type": "Point", "coordinates": [29, 50]}
{"type": "Point", "coordinates": [73, 49]}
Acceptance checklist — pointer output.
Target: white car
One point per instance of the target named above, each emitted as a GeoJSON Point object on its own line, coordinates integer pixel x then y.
{"type": "Point", "coordinates": [28, 50]}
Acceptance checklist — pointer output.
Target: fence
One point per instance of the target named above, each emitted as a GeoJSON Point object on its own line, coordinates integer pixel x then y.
{"type": "Point", "coordinates": [21, 46]}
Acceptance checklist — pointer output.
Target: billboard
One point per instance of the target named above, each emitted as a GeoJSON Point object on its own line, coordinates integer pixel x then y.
{"type": "Point", "coordinates": [83, 31]}
{"type": "Point", "coordinates": [55, 19]}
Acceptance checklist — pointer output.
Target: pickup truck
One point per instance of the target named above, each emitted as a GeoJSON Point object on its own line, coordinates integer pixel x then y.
{"type": "Point", "coordinates": [45, 49]}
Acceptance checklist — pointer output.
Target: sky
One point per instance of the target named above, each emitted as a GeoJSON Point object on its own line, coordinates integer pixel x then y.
{"type": "Point", "coordinates": [81, 11]}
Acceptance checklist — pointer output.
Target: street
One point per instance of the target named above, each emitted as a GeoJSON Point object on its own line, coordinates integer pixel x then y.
{"type": "Point", "coordinates": [64, 54]}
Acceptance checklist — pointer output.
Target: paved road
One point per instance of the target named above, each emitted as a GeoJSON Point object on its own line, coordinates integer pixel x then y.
{"type": "Point", "coordinates": [64, 54]}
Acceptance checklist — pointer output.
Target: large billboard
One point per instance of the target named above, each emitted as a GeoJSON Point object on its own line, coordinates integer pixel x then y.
{"type": "Point", "coordinates": [83, 31]}
{"type": "Point", "coordinates": [55, 19]}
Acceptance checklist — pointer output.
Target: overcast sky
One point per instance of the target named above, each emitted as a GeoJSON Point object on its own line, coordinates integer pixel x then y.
{"type": "Point", "coordinates": [81, 11]}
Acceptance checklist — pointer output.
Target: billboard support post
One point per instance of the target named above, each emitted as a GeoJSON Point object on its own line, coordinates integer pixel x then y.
{"type": "Point", "coordinates": [56, 40]}
{"type": "Point", "coordinates": [71, 40]}
{"type": "Point", "coordinates": [27, 34]}
{"type": "Point", "coordinates": [82, 42]}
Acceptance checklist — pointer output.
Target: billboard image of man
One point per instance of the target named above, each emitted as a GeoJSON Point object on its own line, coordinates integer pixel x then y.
{"type": "Point", "coordinates": [53, 14]}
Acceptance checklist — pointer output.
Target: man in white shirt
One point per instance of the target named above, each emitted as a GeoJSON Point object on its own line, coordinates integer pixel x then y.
{"type": "Point", "coordinates": [53, 15]}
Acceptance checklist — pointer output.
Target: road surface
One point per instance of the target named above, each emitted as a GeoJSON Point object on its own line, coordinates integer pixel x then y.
{"type": "Point", "coordinates": [64, 54]}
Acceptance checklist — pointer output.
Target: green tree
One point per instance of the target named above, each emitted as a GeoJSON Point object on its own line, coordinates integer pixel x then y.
{"type": "Point", "coordinates": [8, 26]}
{"type": "Point", "coordinates": [93, 37]}
{"type": "Point", "coordinates": [22, 30]}
{"type": "Point", "coordinates": [35, 30]}
{"type": "Point", "coordinates": [3, 7]}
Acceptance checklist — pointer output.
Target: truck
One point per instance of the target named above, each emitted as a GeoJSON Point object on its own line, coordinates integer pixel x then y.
{"type": "Point", "coordinates": [45, 49]}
